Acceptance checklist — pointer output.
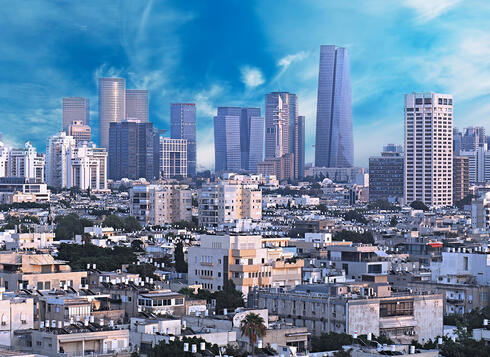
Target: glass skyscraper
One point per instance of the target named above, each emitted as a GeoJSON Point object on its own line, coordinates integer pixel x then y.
{"type": "Point", "coordinates": [75, 109]}
{"type": "Point", "coordinates": [112, 106]}
{"type": "Point", "coordinates": [183, 126]}
{"type": "Point", "coordinates": [334, 145]}
{"type": "Point", "coordinates": [137, 104]}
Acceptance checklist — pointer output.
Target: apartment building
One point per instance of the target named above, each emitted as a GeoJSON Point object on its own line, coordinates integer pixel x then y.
{"type": "Point", "coordinates": [26, 163]}
{"type": "Point", "coordinates": [86, 167]}
{"type": "Point", "coordinates": [19, 241]}
{"type": "Point", "coordinates": [344, 308]}
{"type": "Point", "coordinates": [21, 189]}
{"type": "Point", "coordinates": [161, 204]}
{"type": "Point", "coordinates": [173, 158]}
{"type": "Point", "coordinates": [242, 259]}
{"type": "Point", "coordinates": [36, 271]}
{"type": "Point", "coordinates": [16, 313]}
{"type": "Point", "coordinates": [80, 131]}
{"type": "Point", "coordinates": [227, 201]}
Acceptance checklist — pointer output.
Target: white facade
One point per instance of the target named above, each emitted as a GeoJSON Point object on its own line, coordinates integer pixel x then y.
{"type": "Point", "coordinates": [429, 148]}
{"type": "Point", "coordinates": [173, 158]}
{"type": "Point", "coordinates": [25, 162]}
{"type": "Point", "coordinates": [57, 148]}
{"type": "Point", "coordinates": [455, 265]}
{"type": "Point", "coordinates": [479, 164]}
{"type": "Point", "coordinates": [86, 167]}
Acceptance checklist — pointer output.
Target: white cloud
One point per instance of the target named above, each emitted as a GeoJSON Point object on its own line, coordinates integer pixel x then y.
{"type": "Point", "coordinates": [430, 9]}
{"type": "Point", "coordinates": [252, 77]}
{"type": "Point", "coordinates": [205, 149]}
{"type": "Point", "coordinates": [286, 61]}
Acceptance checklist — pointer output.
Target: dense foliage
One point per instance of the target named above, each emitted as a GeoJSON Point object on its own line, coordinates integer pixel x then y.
{"type": "Point", "coordinates": [70, 225]}
{"type": "Point", "coordinates": [180, 263]}
{"type": "Point", "coordinates": [144, 270]}
{"type": "Point", "coordinates": [419, 205]}
{"type": "Point", "coordinates": [127, 224]}
{"type": "Point", "coordinates": [108, 259]}
{"type": "Point", "coordinates": [354, 215]}
{"type": "Point", "coordinates": [350, 236]}
{"type": "Point", "coordinates": [329, 341]}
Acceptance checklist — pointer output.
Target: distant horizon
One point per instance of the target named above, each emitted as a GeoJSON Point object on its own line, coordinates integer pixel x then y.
{"type": "Point", "coordinates": [189, 52]}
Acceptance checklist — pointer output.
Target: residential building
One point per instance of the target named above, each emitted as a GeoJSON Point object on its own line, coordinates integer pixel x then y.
{"type": "Point", "coordinates": [86, 167]}
{"type": "Point", "coordinates": [17, 313]}
{"type": "Point", "coordinates": [354, 308]}
{"type": "Point", "coordinates": [133, 150]}
{"type": "Point", "coordinates": [473, 138]}
{"type": "Point", "coordinates": [227, 201]}
{"type": "Point", "coordinates": [461, 177]}
{"type": "Point", "coordinates": [354, 175]}
{"type": "Point", "coordinates": [137, 104]}
{"type": "Point", "coordinates": [281, 167]}
{"type": "Point", "coordinates": [57, 149]}
{"type": "Point", "coordinates": [478, 164]}
{"type": "Point", "coordinates": [183, 126]}
{"type": "Point", "coordinates": [457, 141]}
{"type": "Point", "coordinates": [80, 132]}
{"type": "Point", "coordinates": [26, 163]}
{"type": "Point", "coordinates": [21, 241]}
{"type": "Point", "coordinates": [480, 212]}
{"type": "Point", "coordinates": [161, 204]}
{"type": "Point", "coordinates": [36, 271]}
{"type": "Point", "coordinates": [242, 259]}
{"type": "Point", "coordinates": [4, 159]}
{"type": "Point", "coordinates": [334, 145]}
{"type": "Point", "coordinates": [75, 109]}
{"type": "Point", "coordinates": [112, 106]}
{"type": "Point", "coordinates": [173, 158]}
{"type": "Point", "coordinates": [21, 189]}
{"type": "Point", "coordinates": [429, 148]}
{"type": "Point", "coordinates": [386, 174]}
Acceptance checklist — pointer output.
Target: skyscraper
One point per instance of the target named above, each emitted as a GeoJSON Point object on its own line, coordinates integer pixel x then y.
{"type": "Point", "coordinates": [57, 148]}
{"type": "Point", "coordinates": [112, 106]}
{"type": "Point", "coordinates": [75, 109]}
{"type": "Point", "coordinates": [227, 150]}
{"type": "Point", "coordinates": [80, 132]}
{"type": "Point", "coordinates": [461, 177]}
{"type": "Point", "coordinates": [386, 174]}
{"type": "Point", "coordinates": [429, 148]}
{"type": "Point", "coordinates": [173, 158]}
{"type": "Point", "coordinates": [299, 146]}
{"type": "Point", "coordinates": [473, 138]}
{"type": "Point", "coordinates": [183, 126]}
{"type": "Point", "coordinates": [137, 104]}
{"type": "Point", "coordinates": [251, 138]}
{"type": "Point", "coordinates": [334, 145]}
{"type": "Point", "coordinates": [280, 116]}
{"type": "Point", "coordinates": [133, 150]}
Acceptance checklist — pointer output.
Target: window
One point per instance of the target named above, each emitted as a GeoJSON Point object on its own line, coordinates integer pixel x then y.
{"type": "Point", "coordinates": [396, 308]}
{"type": "Point", "coordinates": [39, 285]}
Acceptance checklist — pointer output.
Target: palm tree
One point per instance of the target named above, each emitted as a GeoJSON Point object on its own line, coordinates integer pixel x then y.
{"type": "Point", "coordinates": [253, 327]}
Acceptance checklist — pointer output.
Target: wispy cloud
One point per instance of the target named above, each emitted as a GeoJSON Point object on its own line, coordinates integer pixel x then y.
{"type": "Point", "coordinates": [252, 77]}
{"type": "Point", "coordinates": [430, 9]}
{"type": "Point", "coordinates": [286, 61]}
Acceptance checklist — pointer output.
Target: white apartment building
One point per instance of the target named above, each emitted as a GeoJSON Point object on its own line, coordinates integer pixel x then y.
{"type": "Point", "coordinates": [173, 158]}
{"type": "Point", "coordinates": [80, 132]}
{"type": "Point", "coordinates": [429, 148]}
{"type": "Point", "coordinates": [86, 167]}
{"type": "Point", "coordinates": [16, 313]}
{"type": "Point", "coordinates": [25, 162]}
{"type": "Point", "coordinates": [242, 259]}
{"type": "Point", "coordinates": [479, 164]}
{"type": "Point", "coordinates": [161, 204]}
{"type": "Point", "coordinates": [4, 156]}
{"type": "Point", "coordinates": [227, 201]}
{"type": "Point", "coordinates": [57, 148]}
{"type": "Point", "coordinates": [480, 212]}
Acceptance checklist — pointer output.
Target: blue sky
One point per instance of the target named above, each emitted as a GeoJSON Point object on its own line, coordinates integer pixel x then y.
{"type": "Point", "coordinates": [230, 52]}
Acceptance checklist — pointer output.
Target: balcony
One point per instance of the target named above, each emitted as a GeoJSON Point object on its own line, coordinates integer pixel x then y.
{"type": "Point", "coordinates": [244, 268]}
{"type": "Point", "coordinates": [282, 264]}
{"type": "Point", "coordinates": [239, 253]}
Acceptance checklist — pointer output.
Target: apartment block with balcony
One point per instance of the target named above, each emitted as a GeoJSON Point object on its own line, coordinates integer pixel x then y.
{"type": "Point", "coordinates": [16, 313]}
{"type": "Point", "coordinates": [242, 259]}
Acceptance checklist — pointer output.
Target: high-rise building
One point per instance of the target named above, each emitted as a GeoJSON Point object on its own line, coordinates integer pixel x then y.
{"type": "Point", "coordinates": [26, 162]}
{"type": "Point", "coordinates": [227, 151]}
{"type": "Point", "coordinates": [461, 177]}
{"type": "Point", "coordinates": [57, 149]}
{"type": "Point", "coordinates": [429, 148]}
{"type": "Point", "coordinates": [133, 150]}
{"type": "Point", "coordinates": [478, 164]}
{"type": "Point", "coordinates": [173, 158]}
{"type": "Point", "coordinates": [183, 126]}
{"type": "Point", "coordinates": [86, 167]}
{"type": "Point", "coordinates": [137, 104]}
{"type": "Point", "coordinates": [386, 174]}
{"type": "Point", "coordinates": [334, 146]}
{"type": "Point", "coordinates": [251, 138]}
{"type": "Point", "coordinates": [112, 106]}
{"type": "Point", "coordinates": [4, 159]}
{"type": "Point", "coordinates": [473, 138]}
{"type": "Point", "coordinates": [299, 147]}
{"type": "Point", "coordinates": [75, 109]}
{"type": "Point", "coordinates": [81, 132]}
{"type": "Point", "coordinates": [457, 141]}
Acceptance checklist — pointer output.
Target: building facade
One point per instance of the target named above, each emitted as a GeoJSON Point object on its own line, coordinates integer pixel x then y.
{"type": "Point", "coordinates": [173, 158]}
{"type": "Point", "coordinates": [57, 149]}
{"type": "Point", "coordinates": [112, 106]}
{"type": "Point", "coordinates": [75, 109]}
{"type": "Point", "coordinates": [25, 163]}
{"type": "Point", "coordinates": [183, 126]}
{"type": "Point", "coordinates": [461, 177]}
{"type": "Point", "coordinates": [334, 146]}
{"type": "Point", "coordinates": [137, 105]}
{"type": "Point", "coordinates": [87, 167]}
{"type": "Point", "coordinates": [429, 148]}
{"type": "Point", "coordinates": [80, 132]}
{"type": "Point", "coordinates": [386, 174]}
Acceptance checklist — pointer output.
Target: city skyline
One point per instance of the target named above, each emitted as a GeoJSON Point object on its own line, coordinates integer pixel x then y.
{"type": "Point", "coordinates": [418, 53]}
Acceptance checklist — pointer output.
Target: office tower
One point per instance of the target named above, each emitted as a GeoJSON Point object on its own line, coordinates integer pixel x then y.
{"type": "Point", "coordinates": [478, 165]}
{"type": "Point", "coordinates": [473, 138]}
{"type": "Point", "coordinates": [4, 158]}
{"type": "Point", "coordinates": [137, 104]}
{"type": "Point", "coordinates": [26, 162]}
{"type": "Point", "coordinates": [429, 148]}
{"type": "Point", "coordinates": [461, 178]}
{"type": "Point", "coordinates": [80, 132]}
{"type": "Point", "coordinates": [57, 148]}
{"type": "Point", "coordinates": [457, 141]}
{"type": "Point", "coordinates": [251, 138]}
{"type": "Point", "coordinates": [281, 111]}
{"type": "Point", "coordinates": [173, 158]}
{"type": "Point", "coordinates": [183, 126]}
{"type": "Point", "coordinates": [75, 109]}
{"type": "Point", "coordinates": [161, 204]}
{"type": "Point", "coordinates": [334, 145]}
{"type": "Point", "coordinates": [133, 150]}
{"type": "Point", "coordinates": [86, 167]}
{"type": "Point", "coordinates": [386, 174]}
{"type": "Point", "coordinates": [112, 106]}
{"type": "Point", "coordinates": [227, 151]}
{"type": "Point", "coordinates": [299, 147]}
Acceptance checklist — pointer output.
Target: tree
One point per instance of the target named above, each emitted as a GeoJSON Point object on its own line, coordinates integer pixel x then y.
{"type": "Point", "coordinates": [137, 245]}
{"type": "Point", "coordinates": [180, 263]}
{"type": "Point", "coordinates": [354, 215]}
{"type": "Point", "coordinates": [350, 236]}
{"type": "Point", "coordinates": [393, 221]}
{"type": "Point", "coordinates": [113, 221]}
{"type": "Point", "coordinates": [253, 327]}
{"type": "Point", "coordinates": [419, 205]}
{"type": "Point", "coordinates": [108, 259]}
{"type": "Point", "coordinates": [144, 270]}
{"type": "Point", "coordinates": [229, 297]}
{"type": "Point", "coordinates": [330, 341]}
{"type": "Point", "coordinates": [131, 224]}
{"type": "Point", "coordinates": [67, 227]}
